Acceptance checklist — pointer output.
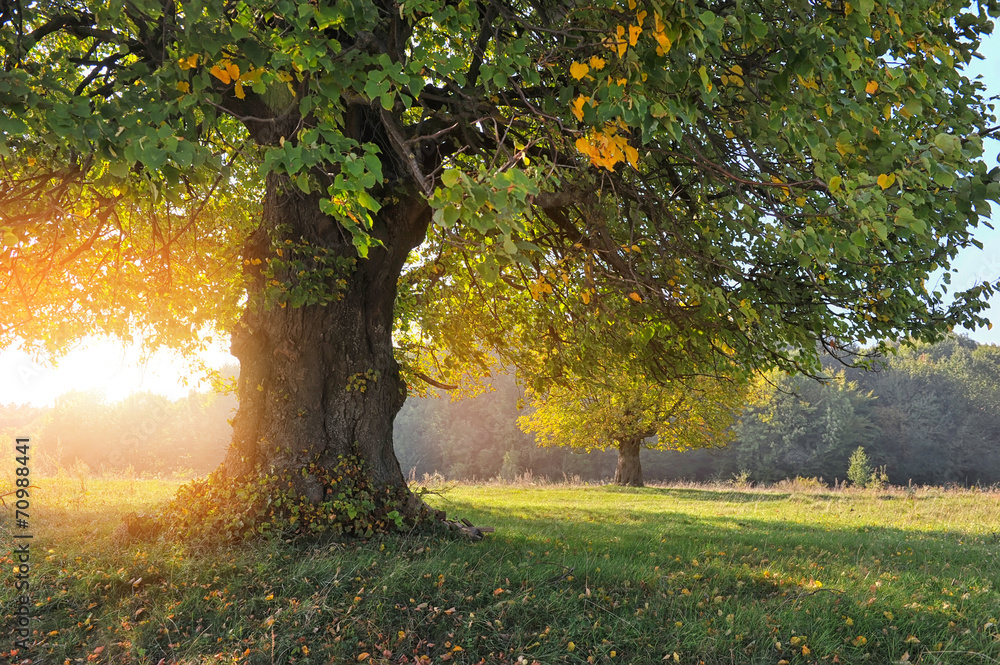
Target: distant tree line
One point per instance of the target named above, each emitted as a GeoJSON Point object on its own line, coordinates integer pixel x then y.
{"type": "Point", "coordinates": [930, 416]}
{"type": "Point", "coordinates": [145, 433]}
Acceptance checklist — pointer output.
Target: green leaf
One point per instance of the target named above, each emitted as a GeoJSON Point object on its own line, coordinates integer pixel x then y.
{"type": "Point", "coordinates": [864, 7]}
{"type": "Point", "coordinates": [449, 215]}
{"type": "Point", "coordinates": [302, 181]}
{"type": "Point", "coordinates": [944, 178]}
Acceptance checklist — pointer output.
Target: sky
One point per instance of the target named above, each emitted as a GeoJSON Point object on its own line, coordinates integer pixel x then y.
{"type": "Point", "coordinates": [106, 367]}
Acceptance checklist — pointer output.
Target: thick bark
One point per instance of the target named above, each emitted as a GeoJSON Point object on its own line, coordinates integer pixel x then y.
{"type": "Point", "coordinates": [320, 381]}
{"type": "Point", "coordinates": [629, 470]}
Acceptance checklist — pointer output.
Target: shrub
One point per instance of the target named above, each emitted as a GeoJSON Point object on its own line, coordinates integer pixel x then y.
{"type": "Point", "coordinates": [741, 480]}
{"type": "Point", "coordinates": [879, 478]}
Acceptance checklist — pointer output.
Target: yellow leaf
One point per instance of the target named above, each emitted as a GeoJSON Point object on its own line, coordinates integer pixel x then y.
{"type": "Point", "coordinates": [809, 83]}
{"type": "Point", "coordinates": [188, 62]}
{"type": "Point", "coordinates": [635, 296]}
{"type": "Point", "coordinates": [835, 182]}
{"type": "Point", "coordinates": [664, 44]}
{"type": "Point", "coordinates": [585, 296]}
{"type": "Point", "coordinates": [633, 34]}
{"type": "Point", "coordinates": [233, 70]}
{"type": "Point", "coordinates": [641, 17]}
{"type": "Point", "coordinates": [577, 108]}
{"type": "Point", "coordinates": [238, 89]}
{"type": "Point", "coordinates": [729, 134]}
{"type": "Point", "coordinates": [885, 180]}
{"type": "Point", "coordinates": [570, 647]}
{"type": "Point", "coordinates": [632, 155]}
{"type": "Point", "coordinates": [578, 70]}
{"type": "Point", "coordinates": [597, 63]}
{"type": "Point", "coordinates": [631, 4]}
{"type": "Point", "coordinates": [184, 86]}
{"type": "Point", "coordinates": [736, 69]}
{"type": "Point", "coordinates": [620, 45]}
{"type": "Point", "coordinates": [805, 650]}
{"type": "Point", "coordinates": [363, 656]}
{"type": "Point", "coordinates": [220, 74]}
{"type": "Point", "coordinates": [872, 87]}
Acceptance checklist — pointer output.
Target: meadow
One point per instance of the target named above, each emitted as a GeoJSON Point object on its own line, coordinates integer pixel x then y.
{"type": "Point", "coordinates": [573, 574]}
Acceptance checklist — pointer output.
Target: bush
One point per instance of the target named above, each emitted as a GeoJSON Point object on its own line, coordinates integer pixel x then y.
{"type": "Point", "coordinates": [879, 478]}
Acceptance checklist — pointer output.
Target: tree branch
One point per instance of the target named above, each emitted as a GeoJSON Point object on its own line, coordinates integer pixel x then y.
{"type": "Point", "coordinates": [436, 384]}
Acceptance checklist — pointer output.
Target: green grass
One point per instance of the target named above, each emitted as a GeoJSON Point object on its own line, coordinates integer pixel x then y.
{"type": "Point", "coordinates": [572, 575]}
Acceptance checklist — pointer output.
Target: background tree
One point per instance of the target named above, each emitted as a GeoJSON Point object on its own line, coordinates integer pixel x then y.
{"type": "Point", "coordinates": [625, 410]}
{"type": "Point", "coordinates": [735, 181]}
{"type": "Point", "coordinates": [859, 471]}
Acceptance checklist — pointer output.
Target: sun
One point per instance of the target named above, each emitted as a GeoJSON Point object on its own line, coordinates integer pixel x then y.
{"type": "Point", "coordinates": [101, 365]}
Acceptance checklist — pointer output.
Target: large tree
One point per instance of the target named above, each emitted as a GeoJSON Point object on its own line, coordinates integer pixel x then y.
{"type": "Point", "coordinates": [725, 182]}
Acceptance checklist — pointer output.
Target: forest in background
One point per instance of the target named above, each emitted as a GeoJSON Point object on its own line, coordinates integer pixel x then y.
{"type": "Point", "coordinates": [931, 416]}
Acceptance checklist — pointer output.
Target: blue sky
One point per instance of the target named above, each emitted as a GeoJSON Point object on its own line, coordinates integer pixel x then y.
{"type": "Point", "coordinates": [974, 265]}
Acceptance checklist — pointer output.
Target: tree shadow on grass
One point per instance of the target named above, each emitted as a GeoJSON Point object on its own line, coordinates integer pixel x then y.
{"type": "Point", "coordinates": [729, 496]}
{"type": "Point", "coordinates": [775, 578]}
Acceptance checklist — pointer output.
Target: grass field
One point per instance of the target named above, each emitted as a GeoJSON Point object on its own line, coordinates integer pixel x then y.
{"type": "Point", "coordinates": [572, 575]}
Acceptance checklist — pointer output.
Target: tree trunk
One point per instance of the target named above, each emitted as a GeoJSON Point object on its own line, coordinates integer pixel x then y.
{"type": "Point", "coordinates": [629, 471]}
{"type": "Point", "coordinates": [320, 381]}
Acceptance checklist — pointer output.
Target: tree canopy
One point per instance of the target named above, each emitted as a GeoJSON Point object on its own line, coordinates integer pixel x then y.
{"type": "Point", "coordinates": [791, 169]}
{"type": "Point", "coordinates": [686, 183]}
